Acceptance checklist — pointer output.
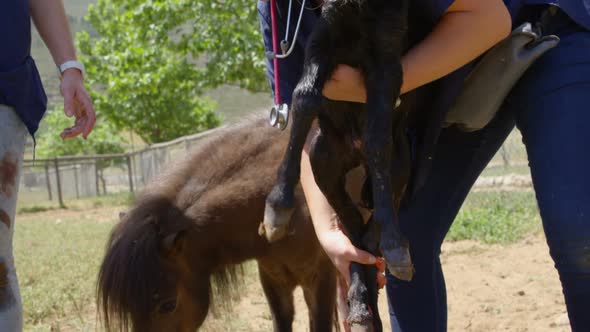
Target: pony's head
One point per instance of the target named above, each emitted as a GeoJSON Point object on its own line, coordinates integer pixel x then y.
{"type": "Point", "coordinates": [145, 282]}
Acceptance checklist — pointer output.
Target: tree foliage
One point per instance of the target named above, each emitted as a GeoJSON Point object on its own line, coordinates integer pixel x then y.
{"type": "Point", "coordinates": [155, 58]}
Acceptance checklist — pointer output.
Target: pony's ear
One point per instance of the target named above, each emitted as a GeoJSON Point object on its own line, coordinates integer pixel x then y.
{"type": "Point", "coordinates": [173, 230]}
{"type": "Point", "coordinates": [173, 243]}
{"type": "Point", "coordinates": [122, 215]}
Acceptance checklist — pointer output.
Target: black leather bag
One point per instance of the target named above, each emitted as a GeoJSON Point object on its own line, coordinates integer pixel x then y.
{"type": "Point", "coordinates": [496, 73]}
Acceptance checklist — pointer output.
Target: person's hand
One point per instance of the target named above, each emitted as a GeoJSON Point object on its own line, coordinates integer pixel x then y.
{"type": "Point", "coordinates": [341, 252]}
{"type": "Point", "coordinates": [77, 103]}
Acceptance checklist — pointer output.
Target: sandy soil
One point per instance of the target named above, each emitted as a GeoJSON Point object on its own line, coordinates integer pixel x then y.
{"type": "Point", "coordinates": [490, 288]}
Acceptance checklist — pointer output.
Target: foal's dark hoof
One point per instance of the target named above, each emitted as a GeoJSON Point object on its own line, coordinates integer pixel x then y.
{"type": "Point", "coordinates": [399, 263]}
{"type": "Point", "coordinates": [275, 225]}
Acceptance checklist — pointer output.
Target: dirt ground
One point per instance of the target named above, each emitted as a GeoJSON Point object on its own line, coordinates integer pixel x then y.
{"type": "Point", "coordinates": [490, 288]}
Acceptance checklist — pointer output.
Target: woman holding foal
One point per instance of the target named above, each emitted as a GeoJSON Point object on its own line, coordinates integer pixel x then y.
{"type": "Point", "coordinates": [548, 105]}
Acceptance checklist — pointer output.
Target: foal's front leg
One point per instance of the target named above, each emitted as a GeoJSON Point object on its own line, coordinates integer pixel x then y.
{"type": "Point", "coordinates": [331, 159]}
{"type": "Point", "coordinates": [382, 79]}
{"type": "Point", "coordinates": [307, 101]}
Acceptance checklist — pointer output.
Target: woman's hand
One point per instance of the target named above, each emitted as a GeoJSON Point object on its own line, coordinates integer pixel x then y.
{"type": "Point", "coordinates": [327, 226]}
{"type": "Point", "coordinates": [341, 252]}
{"type": "Point", "coordinates": [77, 103]}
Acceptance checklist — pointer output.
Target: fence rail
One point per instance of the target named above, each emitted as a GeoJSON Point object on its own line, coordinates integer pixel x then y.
{"type": "Point", "coordinates": [69, 177]}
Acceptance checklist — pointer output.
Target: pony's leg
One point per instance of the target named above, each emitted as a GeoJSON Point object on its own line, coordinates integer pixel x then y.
{"type": "Point", "coordinates": [330, 176]}
{"type": "Point", "coordinates": [320, 297]}
{"type": "Point", "coordinates": [279, 294]}
{"type": "Point", "coordinates": [307, 101]}
{"type": "Point", "coordinates": [382, 78]}
{"type": "Point", "coordinates": [12, 143]}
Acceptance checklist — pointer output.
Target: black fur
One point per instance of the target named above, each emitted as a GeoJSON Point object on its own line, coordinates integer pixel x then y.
{"type": "Point", "coordinates": [370, 35]}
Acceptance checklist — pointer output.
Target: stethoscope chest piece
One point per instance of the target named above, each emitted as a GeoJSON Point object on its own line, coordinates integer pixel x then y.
{"type": "Point", "coordinates": [279, 116]}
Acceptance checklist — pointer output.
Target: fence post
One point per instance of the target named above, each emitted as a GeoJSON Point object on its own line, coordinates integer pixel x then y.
{"type": "Point", "coordinates": [76, 181]}
{"type": "Point", "coordinates": [130, 173]}
{"type": "Point", "coordinates": [505, 156]}
{"type": "Point", "coordinates": [96, 178]}
{"type": "Point", "coordinates": [48, 181]}
{"type": "Point", "coordinates": [59, 196]}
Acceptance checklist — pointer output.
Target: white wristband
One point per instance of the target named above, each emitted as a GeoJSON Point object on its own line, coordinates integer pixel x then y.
{"type": "Point", "coordinates": [71, 64]}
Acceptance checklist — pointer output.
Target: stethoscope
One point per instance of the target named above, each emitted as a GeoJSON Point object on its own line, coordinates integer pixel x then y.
{"type": "Point", "coordinates": [279, 113]}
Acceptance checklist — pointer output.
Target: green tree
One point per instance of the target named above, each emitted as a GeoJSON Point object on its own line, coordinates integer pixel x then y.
{"type": "Point", "coordinates": [155, 58]}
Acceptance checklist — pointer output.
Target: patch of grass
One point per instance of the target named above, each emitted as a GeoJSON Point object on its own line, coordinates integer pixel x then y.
{"type": "Point", "coordinates": [123, 198]}
{"type": "Point", "coordinates": [501, 170]}
{"type": "Point", "coordinates": [57, 262]}
{"type": "Point", "coordinates": [496, 217]}
{"type": "Point", "coordinates": [35, 208]}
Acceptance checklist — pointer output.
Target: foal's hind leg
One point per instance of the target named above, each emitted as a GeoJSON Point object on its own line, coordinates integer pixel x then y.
{"type": "Point", "coordinates": [279, 294]}
{"type": "Point", "coordinates": [307, 101]}
{"type": "Point", "coordinates": [383, 77]}
{"type": "Point", "coordinates": [330, 175]}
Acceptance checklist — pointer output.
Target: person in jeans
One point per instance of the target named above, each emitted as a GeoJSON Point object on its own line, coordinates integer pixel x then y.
{"type": "Point", "coordinates": [549, 105]}
{"type": "Point", "coordinates": [22, 105]}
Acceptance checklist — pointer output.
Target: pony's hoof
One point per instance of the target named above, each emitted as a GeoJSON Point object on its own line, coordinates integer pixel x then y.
{"type": "Point", "coordinates": [399, 263]}
{"type": "Point", "coordinates": [275, 225]}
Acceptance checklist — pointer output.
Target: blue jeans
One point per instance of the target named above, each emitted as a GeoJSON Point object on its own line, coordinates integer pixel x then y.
{"type": "Point", "coordinates": [551, 107]}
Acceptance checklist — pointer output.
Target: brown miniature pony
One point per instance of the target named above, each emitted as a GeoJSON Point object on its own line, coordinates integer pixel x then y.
{"type": "Point", "coordinates": [179, 246]}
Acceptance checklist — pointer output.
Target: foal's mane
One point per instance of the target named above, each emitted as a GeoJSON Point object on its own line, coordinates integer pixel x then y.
{"type": "Point", "coordinates": [225, 166]}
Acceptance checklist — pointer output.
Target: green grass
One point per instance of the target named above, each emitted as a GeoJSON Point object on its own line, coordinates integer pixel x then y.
{"type": "Point", "coordinates": [496, 217]}
{"type": "Point", "coordinates": [57, 261]}
{"type": "Point", "coordinates": [502, 170]}
{"type": "Point", "coordinates": [123, 198]}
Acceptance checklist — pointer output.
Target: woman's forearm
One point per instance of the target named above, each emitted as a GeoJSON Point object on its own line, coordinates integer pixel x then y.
{"type": "Point", "coordinates": [51, 21]}
{"type": "Point", "coordinates": [322, 214]}
{"type": "Point", "coordinates": [326, 223]}
{"type": "Point", "coordinates": [466, 30]}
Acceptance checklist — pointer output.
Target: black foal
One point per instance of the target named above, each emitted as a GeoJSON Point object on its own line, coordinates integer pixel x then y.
{"type": "Point", "coordinates": [370, 35]}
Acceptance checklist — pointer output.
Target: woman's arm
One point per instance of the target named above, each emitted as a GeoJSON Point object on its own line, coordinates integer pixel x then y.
{"type": "Point", "coordinates": [466, 30]}
{"type": "Point", "coordinates": [326, 224]}
{"type": "Point", "coordinates": [51, 22]}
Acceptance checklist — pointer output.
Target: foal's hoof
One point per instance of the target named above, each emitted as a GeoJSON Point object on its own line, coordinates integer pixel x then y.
{"type": "Point", "coordinates": [399, 263]}
{"type": "Point", "coordinates": [275, 225]}
{"type": "Point", "coordinates": [360, 316]}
